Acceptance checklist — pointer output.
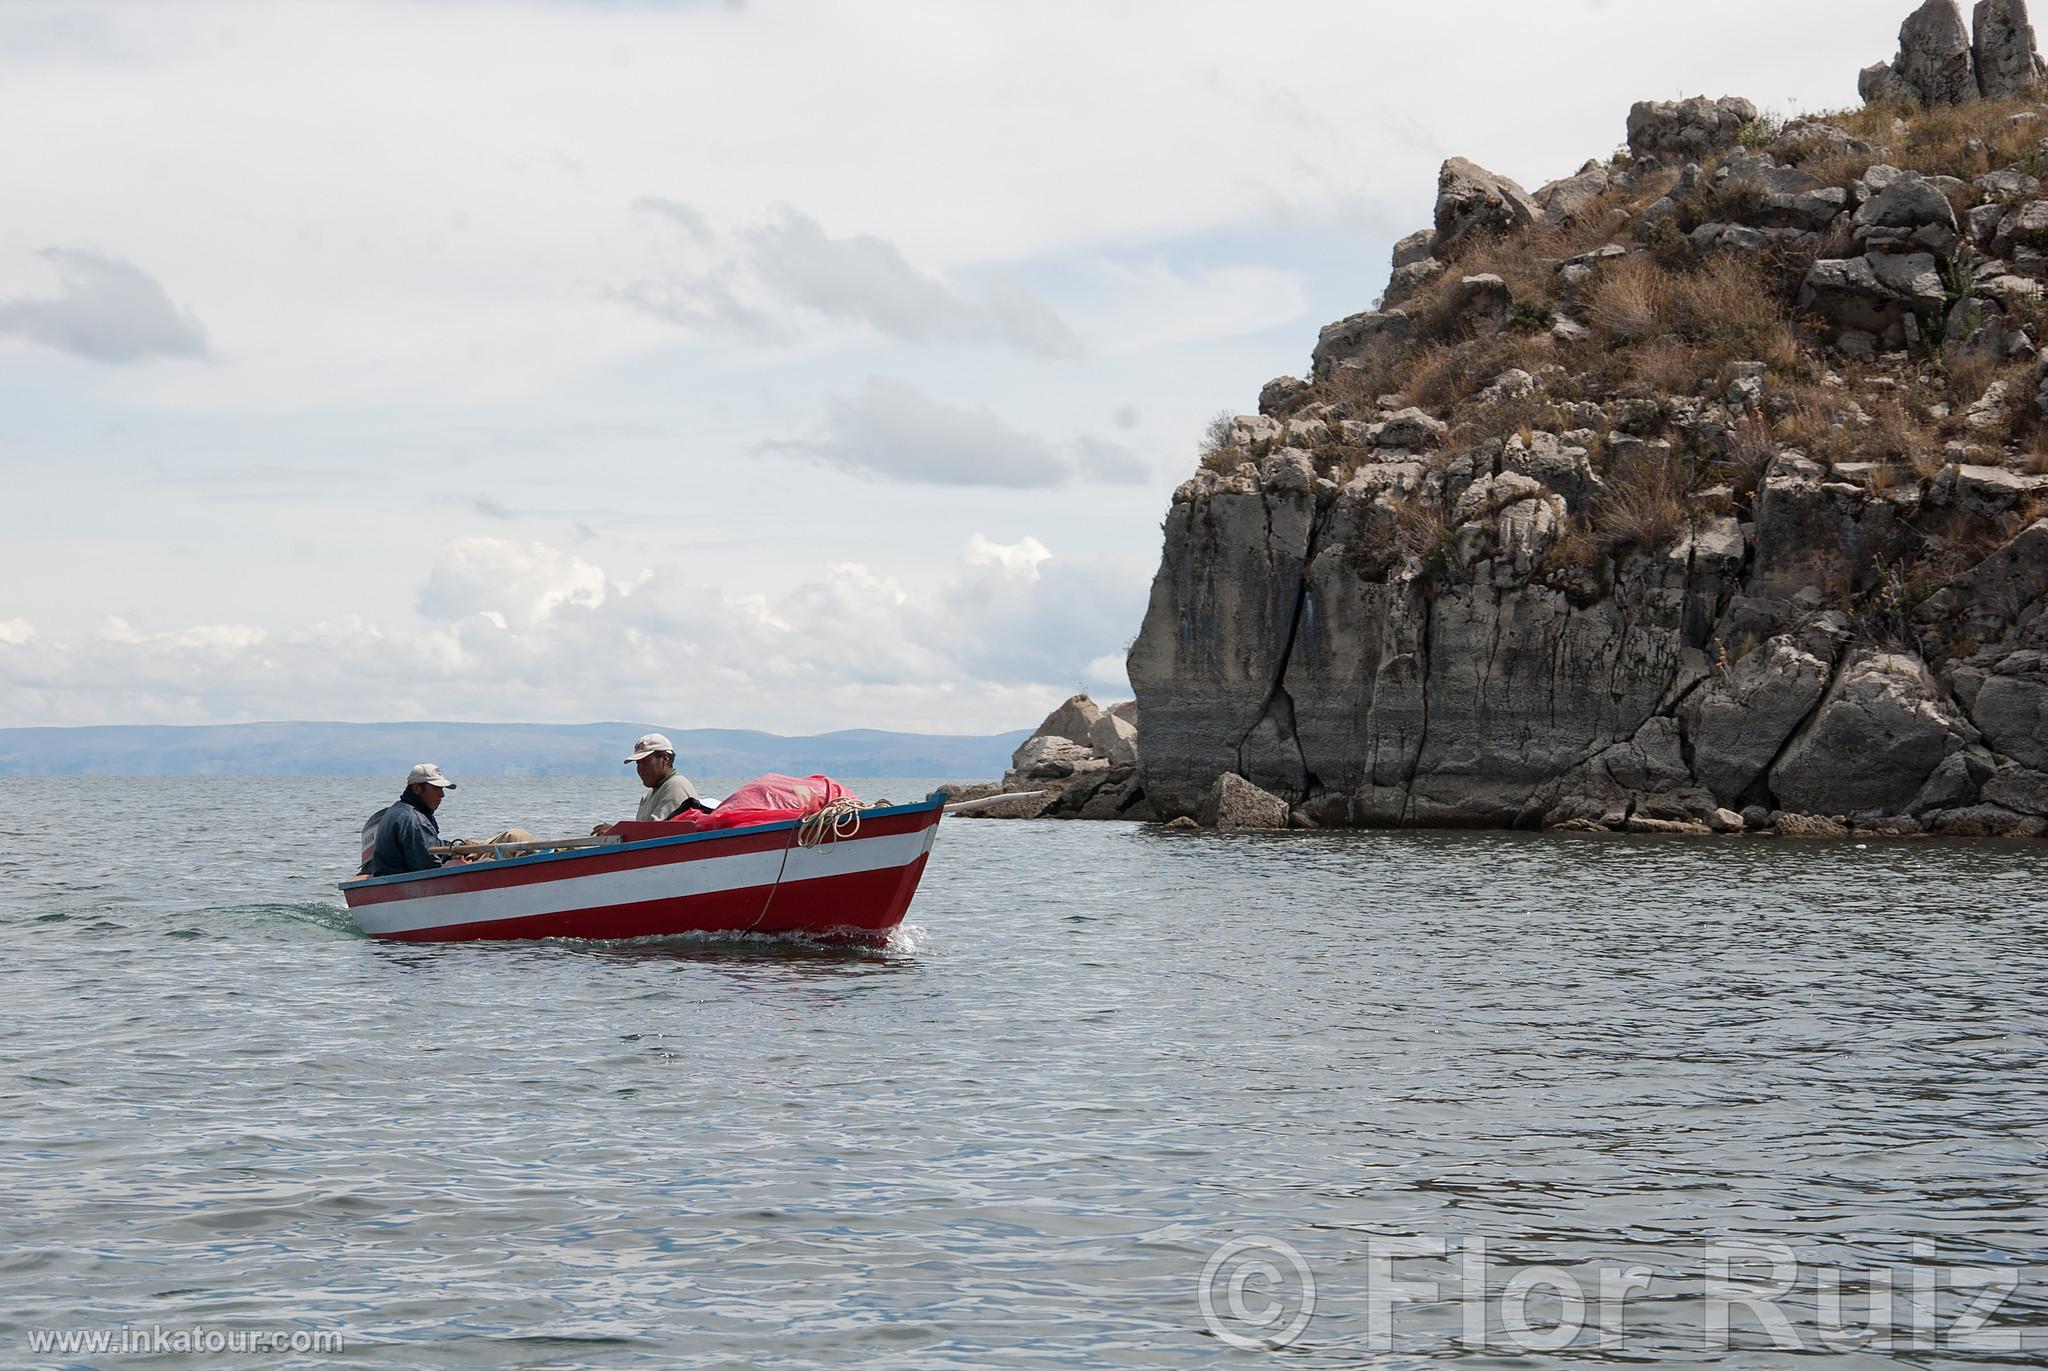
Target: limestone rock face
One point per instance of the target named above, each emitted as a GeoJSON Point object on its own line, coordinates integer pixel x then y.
{"type": "Point", "coordinates": [1234, 802]}
{"type": "Point", "coordinates": [1680, 131]}
{"type": "Point", "coordinates": [1935, 59]}
{"type": "Point", "coordinates": [1561, 550]}
{"type": "Point", "coordinates": [1881, 730]}
{"type": "Point", "coordinates": [1472, 200]}
{"type": "Point", "coordinates": [2008, 61]}
{"type": "Point", "coordinates": [1739, 722]}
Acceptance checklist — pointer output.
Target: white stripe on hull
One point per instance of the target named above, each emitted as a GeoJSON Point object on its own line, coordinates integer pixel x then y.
{"type": "Point", "coordinates": [676, 880]}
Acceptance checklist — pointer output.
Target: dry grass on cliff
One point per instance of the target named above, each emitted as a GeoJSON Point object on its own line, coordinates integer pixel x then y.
{"type": "Point", "coordinates": [1422, 527]}
{"type": "Point", "coordinates": [1939, 142]}
{"type": "Point", "coordinates": [1644, 505]}
{"type": "Point", "coordinates": [1725, 308]}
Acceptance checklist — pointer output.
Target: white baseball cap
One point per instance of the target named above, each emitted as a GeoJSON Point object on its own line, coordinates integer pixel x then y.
{"type": "Point", "coordinates": [649, 744]}
{"type": "Point", "coordinates": [429, 774]}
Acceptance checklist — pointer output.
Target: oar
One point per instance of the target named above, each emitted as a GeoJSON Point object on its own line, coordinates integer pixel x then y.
{"type": "Point", "coordinates": [991, 801]}
{"type": "Point", "coordinates": [538, 845]}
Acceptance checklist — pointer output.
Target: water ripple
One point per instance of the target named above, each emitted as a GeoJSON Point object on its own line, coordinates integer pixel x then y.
{"type": "Point", "coordinates": [1014, 1134]}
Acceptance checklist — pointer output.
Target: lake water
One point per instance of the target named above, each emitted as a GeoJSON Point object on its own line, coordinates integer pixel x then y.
{"type": "Point", "coordinates": [1098, 1060]}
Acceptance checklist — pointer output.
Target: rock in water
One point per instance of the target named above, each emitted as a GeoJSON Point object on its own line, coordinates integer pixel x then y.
{"type": "Point", "coordinates": [1235, 802]}
{"type": "Point", "coordinates": [1116, 739]}
{"type": "Point", "coordinates": [2008, 62]}
{"type": "Point", "coordinates": [1071, 721]}
{"type": "Point", "coordinates": [1657, 542]}
{"type": "Point", "coordinates": [1878, 735]}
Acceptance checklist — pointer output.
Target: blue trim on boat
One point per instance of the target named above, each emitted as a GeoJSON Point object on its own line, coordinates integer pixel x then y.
{"type": "Point", "coordinates": [935, 800]}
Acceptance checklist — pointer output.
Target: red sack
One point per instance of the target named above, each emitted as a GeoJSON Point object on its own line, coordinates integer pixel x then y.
{"type": "Point", "coordinates": [771, 799]}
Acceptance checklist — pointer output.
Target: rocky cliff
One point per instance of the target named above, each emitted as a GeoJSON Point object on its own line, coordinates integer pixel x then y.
{"type": "Point", "coordinates": [1702, 487]}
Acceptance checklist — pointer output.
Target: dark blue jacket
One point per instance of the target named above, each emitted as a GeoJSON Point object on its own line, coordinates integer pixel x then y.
{"type": "Point", "coordinates": [404, 834]}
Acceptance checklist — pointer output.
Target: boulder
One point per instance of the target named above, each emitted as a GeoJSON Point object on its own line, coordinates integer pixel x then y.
{"type": "Point", "coordinates": [1753, 189]}
{"type": "Point", "coordinates": [1027, 806]}
{"type": "Point", "coordinates": [1679, 131]}
{"type": "Point", "coordinates": [1935, 62]}
{"type": "Point", "coordinates": [1878, 84]}
{"type": "Point", "coordinates": [1050, 758]}
{"type": "Point", "coordinates": [1281, 394]}
{"type": "Point", "coordinates": [1406, 280]}
{"type": "Point", "coordinates": [1984, 491]}
{"type": "Point", "coordinates": [1470, 200]}
{"type": "Point", "coordinates": [1481, 303]}
{"type": "Point", "coordinates": [1874, 295]}
{"type": "Point", "coordinates": [1909, 215]}
{"type": "Point", "coordinates": [2009, 702]}
{"type": "Point", "coordinates": [2018, 788]}
{"type": "Point", "coordinates": [1348, 339]}
{"type": "Point", "coordinates": [1881, 730]}
{"type": "Point", "coordinates": [1788, 825]}
{"type": "Point", "coordinates": [2007, 59]}
{"type": "Point", "coordinates": [1569, 199]}
{"type": "Point", "coordinates": [1115, 739]}
{"type": "Point", "coordinates": [2006, 184]}
{"type": "Point", "coordinates": [1414, 248]}
{"type": "Point", "coordinates": [1739, 720]}
{"type": "Point", "coordinates": [1071, 721]}
{"type": "Point", "coordinates": [1952, 783]}
{"type": "Point", "coordinates": [1987, 821]}
{"type": "Point", "coordinates": [1234, 802]}
{"type": "Point", "coordinates": [1411, 430]}
{"type": "Point", "coordinates": [1643, 823]}
{"type": "Point", "coordinates": [1812, 140]}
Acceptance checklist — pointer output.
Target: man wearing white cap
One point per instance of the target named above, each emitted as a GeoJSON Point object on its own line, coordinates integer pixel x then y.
{"type": "Point", "coordinates": [668, 790]}
{"type": "Point", "coordinates": [407, 829]}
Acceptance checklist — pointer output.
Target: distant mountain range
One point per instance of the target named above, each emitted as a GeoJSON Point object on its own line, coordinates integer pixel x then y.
{"type": "Point", "coordinates": [323, 749]}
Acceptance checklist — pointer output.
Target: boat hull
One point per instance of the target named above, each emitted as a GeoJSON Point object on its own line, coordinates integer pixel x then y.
{"type": "Point", "coordinates": [759, 879]}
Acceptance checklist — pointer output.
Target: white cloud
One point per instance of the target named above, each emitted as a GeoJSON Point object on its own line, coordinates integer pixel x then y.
{"type": "Point", "coordinates": [16, 631]}
{"type": "Point", "coordinates": [525, 631]}
{"type": "Point", "coordinates": [771, 281]}
{"type": "Point", "coordinates": [895, 431]}
{"type": "Point", "coordinates": [105, 310]}
{"type": "Point", "coordinates": [522, 584]}
{"type": "Point", "coordinates": [892, 430]}
{"type": "Point", "coordinates": [1018, 559]}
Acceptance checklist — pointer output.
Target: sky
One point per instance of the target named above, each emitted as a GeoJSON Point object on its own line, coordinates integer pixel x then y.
{"type": "Point", "coordinates": [781, 364]}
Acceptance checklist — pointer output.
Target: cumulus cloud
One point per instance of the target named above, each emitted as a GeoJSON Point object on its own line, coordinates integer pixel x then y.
{"type": "Point", "coordinates": [525, 630]}
{"type": "Point", "coordinates": [765, 280]}
{"type": "Point", "coordinates": [893, 431]}
{"type": "Point", "coordinates": [106, 310]}
{"type": "Point", "coordinates": [518, 585]}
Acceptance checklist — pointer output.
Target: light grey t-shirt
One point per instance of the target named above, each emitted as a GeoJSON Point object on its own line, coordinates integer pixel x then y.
{"type": "Point", "coordinates": [665, 799]}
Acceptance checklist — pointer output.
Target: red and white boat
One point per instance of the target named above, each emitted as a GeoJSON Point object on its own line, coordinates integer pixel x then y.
{"type": "Point", "coordinates": [846, 880]}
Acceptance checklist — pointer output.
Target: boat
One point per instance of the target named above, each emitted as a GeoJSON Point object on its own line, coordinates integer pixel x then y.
{"type": "Point", "coordinates": [850, 875]}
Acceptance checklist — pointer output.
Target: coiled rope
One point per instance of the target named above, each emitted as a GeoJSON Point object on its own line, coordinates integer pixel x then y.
{"type": "Point", "coordinates": [840, 819]}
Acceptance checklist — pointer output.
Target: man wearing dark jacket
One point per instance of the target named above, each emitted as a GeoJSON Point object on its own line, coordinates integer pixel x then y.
{"type": "Point", "coordinates": [407, 829]}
